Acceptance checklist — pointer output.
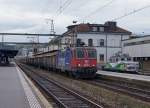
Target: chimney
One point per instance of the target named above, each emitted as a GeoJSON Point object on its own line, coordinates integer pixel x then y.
{"type": "Point", "coordinates": [112, 26]}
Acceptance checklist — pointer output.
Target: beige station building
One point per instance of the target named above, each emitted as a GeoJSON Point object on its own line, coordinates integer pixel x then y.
{"type": "Point", "coordinates": [139, 49]}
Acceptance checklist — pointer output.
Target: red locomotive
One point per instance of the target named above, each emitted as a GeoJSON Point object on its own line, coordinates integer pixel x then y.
{"type": "Point", "coordinates": [80, 62]}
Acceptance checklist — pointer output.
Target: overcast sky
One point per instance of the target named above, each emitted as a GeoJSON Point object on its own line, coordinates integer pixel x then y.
{"type": "Point", "coordinates": [29, 16]}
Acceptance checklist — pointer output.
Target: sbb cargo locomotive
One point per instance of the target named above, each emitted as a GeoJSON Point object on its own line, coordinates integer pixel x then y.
{"type": "Point", "coordinates": [79, 62]}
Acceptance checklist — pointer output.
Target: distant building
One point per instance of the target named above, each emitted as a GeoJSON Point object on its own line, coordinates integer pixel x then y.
{"type": "Point", "coordinates": [139, 49]}
{"type": "Point", "coordinates": [24, 52]}
{"type": "Point", "coordinates": [106, 38]}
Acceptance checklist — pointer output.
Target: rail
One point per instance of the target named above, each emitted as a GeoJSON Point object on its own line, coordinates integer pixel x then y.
{"type": "Point", "coordinates": [64, 97]}
{"type": "Point", "coordinates": [121, 87]}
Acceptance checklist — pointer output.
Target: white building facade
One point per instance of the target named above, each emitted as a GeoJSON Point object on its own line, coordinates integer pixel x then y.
{"type": "Point", "coordinates": [105, 44]}
{"type": "Point", "coordinates": [106, 38]}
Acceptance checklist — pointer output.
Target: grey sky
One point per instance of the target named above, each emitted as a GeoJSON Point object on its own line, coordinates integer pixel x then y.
{"type": "Point", "coordinates": [29, 15]}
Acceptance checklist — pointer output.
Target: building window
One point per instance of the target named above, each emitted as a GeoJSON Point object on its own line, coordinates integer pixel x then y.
{"type": "Point", "coordinates": [79, 42]}
{"type": "Point", "coordinates": [101, 29]}
{"type": "Point", "coordinates": [94, 29]}
{"type": "Point", "coordinates": [90, 42]}
{"type": "Point", "coordinates": [101, 57]}
{"type": "Point", "coordinates": [101, 42]}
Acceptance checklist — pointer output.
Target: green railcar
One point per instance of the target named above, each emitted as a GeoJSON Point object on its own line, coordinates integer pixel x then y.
{"type": "Point", "coordinates": [122, 66]}
{"type": "Point", "coordinates": [121, 63]}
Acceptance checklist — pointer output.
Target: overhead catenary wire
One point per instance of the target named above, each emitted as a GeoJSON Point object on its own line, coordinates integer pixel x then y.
{"type": "Point", "coordinates": [61, 5]}
{"type": "Point", "coordinates": [65, 5]}
{"type": "Point", "coordinates": [58, 12]}
{"type": "Point", "coordinates": [99, 9]}
{"type": "Point", "coordinates": [132, 12]}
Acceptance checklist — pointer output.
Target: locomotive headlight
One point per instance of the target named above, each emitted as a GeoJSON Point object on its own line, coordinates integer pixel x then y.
{"type": "Point", "coordinates": [79, 65]}
{"type": "Point", "coordinates": [93, 65]}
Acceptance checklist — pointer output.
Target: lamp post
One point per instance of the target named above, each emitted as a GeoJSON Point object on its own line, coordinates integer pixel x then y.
{"type": "Point", "coordinates": [75, 34]}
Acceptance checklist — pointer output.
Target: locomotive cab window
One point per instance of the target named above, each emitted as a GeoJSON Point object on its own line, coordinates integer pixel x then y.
{"type": "Point", "coordinates": [80, 53]}
{"type": "Point", "coordinates": [92, 54]}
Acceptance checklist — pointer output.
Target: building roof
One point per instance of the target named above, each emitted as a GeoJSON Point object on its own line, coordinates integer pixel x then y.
{"type": "Point", "coordinates": [109, 27]}
{"type": "Point", "coordinates": [135, 38]}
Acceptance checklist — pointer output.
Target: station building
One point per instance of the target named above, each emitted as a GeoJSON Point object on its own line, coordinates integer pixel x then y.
{"type": "Point", "coordinates": [106, 38]}
{"type": "Point", "coordinates": [139, 49]}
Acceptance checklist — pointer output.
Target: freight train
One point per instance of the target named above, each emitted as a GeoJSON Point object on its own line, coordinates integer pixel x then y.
{"type": "Point", "coordinates": [78, 62]}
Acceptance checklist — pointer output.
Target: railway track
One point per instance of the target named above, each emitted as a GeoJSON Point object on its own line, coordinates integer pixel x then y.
{"type": "Point", "coordinates": [64, 97]}
{"type": "Point", "coordinates": [138, 93]}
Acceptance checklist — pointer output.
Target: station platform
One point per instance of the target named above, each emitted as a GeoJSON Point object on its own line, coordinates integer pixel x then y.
{"type": "Point", "coordinates": [125, 75]}
{"type": "Point", "coordinates": [15, 91]}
